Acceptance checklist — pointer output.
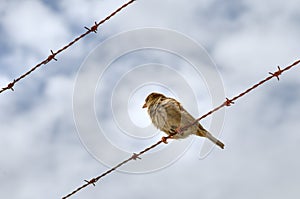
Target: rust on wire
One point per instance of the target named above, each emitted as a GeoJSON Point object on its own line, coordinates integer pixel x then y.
{"type": "Point", "coordinates": [94, 28]}
{"type": "Point", "coordinates": [92, 181]}
{"type": "Point", "coordinates": [11, 85]}
{"type": "Point", "coordinates": [227, 102]}
{"type": "Point", "coordinates": [50, 57]}
{"type": "Point", "coordinates": [277, 73]}
{"type": "Point", "coordinates": [53, 54]}
{"type": "Point", "coordinates": [135, 156]}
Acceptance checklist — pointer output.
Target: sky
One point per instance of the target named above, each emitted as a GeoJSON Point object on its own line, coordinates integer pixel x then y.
{"type": "Point", "coordinates": [74, 118]}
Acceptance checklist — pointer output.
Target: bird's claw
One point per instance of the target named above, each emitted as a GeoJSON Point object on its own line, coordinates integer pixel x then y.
{"type": "Point", "coordinates": [179, 131]}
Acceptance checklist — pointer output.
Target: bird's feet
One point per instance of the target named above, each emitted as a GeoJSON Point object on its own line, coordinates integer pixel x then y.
{"type": "Point", "coordinates": [175, 131]}
{"type": "Point", "coordinates": [179, 130]}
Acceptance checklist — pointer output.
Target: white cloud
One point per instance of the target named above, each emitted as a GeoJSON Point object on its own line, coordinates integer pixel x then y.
{"type": "Point", "coordinates": [41, 152]}
{"type": "Point", "coordinates": [80, 13]}
{"type": "Point", "coordinates": [30, 24]}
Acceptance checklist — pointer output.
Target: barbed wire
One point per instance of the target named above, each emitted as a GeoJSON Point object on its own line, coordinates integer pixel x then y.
{"type": "Point", "coordinates": [227, 102]}
{"type": "Point", "coordinates": [136, 156]}
{"type": "Point", "coordinates": [51, 57]}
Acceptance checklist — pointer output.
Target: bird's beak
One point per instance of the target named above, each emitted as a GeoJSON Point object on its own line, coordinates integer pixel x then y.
{"type": "Point", "coordinates": [144, 106]}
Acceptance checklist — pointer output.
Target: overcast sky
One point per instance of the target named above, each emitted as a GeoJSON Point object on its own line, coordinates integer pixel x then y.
{"type": "Point", "coordinates": [49, 143]}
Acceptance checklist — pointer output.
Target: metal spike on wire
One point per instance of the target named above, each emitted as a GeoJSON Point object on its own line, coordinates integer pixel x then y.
{"type": "Point", "coordinates": [94, 28]}
{"type": "Point", "coordinates": [227, 102]}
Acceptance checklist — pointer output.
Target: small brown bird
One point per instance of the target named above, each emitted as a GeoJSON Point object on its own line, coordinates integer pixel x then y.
{"type": "Point", "coordinates": [169, 116]}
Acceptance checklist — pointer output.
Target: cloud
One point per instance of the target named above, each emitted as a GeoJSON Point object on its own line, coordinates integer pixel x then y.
{"type": "Point", "coordinates": [42, 155]}
{"type": "Point", "coordinates": [37, 31]}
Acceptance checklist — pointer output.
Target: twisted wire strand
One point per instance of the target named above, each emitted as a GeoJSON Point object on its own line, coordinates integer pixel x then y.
{"type": "Point", "coordinates": [135, 156]}
{"type": "Point", "coordinates": [227, 102]}
{"type": "Point", "coordinates": [52, 56]}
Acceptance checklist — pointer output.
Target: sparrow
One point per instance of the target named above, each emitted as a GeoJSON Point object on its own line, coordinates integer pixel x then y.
{"type": "Point", "coordinates": [168, 115]}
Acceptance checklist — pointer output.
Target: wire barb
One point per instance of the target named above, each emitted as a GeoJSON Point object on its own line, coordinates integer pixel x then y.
{"type": "Point", "coordinates": [92, 181]}
{"type": "Point", "coordinates": [10, 85]}
{"type": "Point", "coordinates": [164, 140]}
{"type": "Point", "coordinates": [135, 156]}
{"type": "Point", "coordinates": [94, 28]}
{"type": "Point", "coordinates": [50, 57]}
{"type": "Point", "coordinates": [228, 102]}
{"type": "Point", "coordinates": [277, 73]}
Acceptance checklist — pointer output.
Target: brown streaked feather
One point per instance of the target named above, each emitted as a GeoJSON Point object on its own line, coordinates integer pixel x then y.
{"type": "Point", "coordinates": [168, 115]}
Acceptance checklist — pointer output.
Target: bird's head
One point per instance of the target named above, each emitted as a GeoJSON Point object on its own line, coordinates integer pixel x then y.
{"type": "Point", "coordinates": [151, 98]}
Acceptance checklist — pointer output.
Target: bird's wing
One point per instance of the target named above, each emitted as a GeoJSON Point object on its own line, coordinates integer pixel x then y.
{"type": "Point", "coordinates": [173, 111]}
{"type": "Point", "coordinates": [182, 118]}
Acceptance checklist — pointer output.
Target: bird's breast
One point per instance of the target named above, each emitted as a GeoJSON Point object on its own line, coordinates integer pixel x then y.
{"type": "Point", "coordinates": [158, 116]}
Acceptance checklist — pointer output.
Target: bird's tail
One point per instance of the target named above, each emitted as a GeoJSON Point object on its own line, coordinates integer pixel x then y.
{"type": "Point", "coordinates": [212, 138]}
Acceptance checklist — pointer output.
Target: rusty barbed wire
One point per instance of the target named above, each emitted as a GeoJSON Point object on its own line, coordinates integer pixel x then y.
{"type": "Point", "coordinates": [53, 54]}
{"type": "Point", "coordinates": [227, 102]}
{"type": "Point", "coordinates": [134, 156]}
